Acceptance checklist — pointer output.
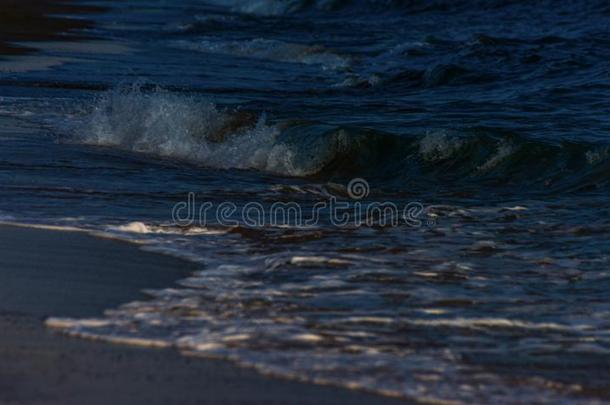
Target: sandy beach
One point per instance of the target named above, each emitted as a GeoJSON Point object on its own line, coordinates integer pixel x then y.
{"type": "Point", "coordinates": [71, 274]}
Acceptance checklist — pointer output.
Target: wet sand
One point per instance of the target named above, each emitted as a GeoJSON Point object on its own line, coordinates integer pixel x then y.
{"type": "Point", "coordinates": [55, 273]}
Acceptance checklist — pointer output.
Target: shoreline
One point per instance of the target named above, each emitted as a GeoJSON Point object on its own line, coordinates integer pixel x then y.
{"type": "Point", "coordinates": [59, 273]}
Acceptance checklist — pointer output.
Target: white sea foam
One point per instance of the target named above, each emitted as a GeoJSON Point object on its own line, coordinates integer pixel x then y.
{"type": "Point", "coordinates": [318, 261]}
{"type": "Point", "coordinates": [181, 127]}
{"type": "Point", "coordinates": [137, 227]}
{"type": "Point", "coordinates": [495, 323]}
{"type": "Point", "coordinates": [439, 145]}
{"type": "Point", "coordinates": [233, 310]}
{"type": "Point", "coordinates": [597, 155]}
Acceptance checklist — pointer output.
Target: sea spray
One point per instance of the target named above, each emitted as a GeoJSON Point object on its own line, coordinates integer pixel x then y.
{"type": "Point", "coordinates": [177, 126]}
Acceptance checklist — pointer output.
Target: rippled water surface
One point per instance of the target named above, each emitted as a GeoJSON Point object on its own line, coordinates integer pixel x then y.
{"type": "Point", "coordinates": [488, 121]}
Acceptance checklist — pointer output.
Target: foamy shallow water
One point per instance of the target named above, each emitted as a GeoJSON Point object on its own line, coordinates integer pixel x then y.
{"type": "Point", "coordinates": [491, 287]}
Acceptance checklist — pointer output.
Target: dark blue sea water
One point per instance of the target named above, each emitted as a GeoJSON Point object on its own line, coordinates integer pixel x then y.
{"type": "Point", "coordinates": [486, 125]}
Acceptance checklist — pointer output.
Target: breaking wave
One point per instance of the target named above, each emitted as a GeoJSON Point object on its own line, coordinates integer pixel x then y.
{"type": "Point", "coordinates": [181, 127]}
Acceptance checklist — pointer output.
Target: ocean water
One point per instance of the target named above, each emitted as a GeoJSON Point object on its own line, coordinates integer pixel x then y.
{"type": "Point", "coordinates": [447, 165]}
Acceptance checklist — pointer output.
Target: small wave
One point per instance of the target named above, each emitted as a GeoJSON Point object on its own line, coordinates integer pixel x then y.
{"type": "Point", "coordinates": [268, 49]}
{"type": "Point", "coordinates": [477, 59]}
{"type": "Point", "coordinates": [433, 76]}
{"type": "Point", "coordinates": [176, 126]}
{"type": "Point", "coordinates": [185, 128]}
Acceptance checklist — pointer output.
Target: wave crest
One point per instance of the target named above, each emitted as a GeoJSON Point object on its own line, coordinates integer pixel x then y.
{"type": "Point", "coordinates": [180, 127]}
{"type": "Point", "coordinates": [176, 126]}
